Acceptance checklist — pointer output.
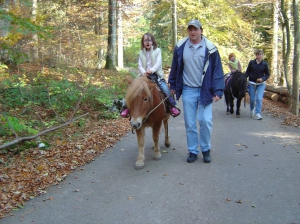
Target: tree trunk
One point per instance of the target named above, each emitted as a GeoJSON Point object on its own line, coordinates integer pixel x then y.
{"type": "Point", "coordinates": [271, 96]}
{"type": "Point", "coordinates": [120, 35]}
{"type": "Point", "coordinates": [35, 36]}
{"type": "Point", "coordinates": [274, 64]}
{"type": "Point", "coordinates": [111, 41]}
{"type": "Point", "coordinates": [174, 22]}
{"type": "Point", "coordinates": [4, 23]}
{"type": "Point", "coordinates": [286, 51]}
{"type": "Point", "coordinates": [295, 90]}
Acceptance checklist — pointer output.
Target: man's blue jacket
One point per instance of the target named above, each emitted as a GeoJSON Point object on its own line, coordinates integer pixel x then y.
{"type": "Point", "coordinates": [213, 78]}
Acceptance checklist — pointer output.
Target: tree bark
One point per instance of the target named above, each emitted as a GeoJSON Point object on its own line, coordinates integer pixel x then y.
{"type": "Point", "coordinates": [174, 22]}
{"type": "Point", "coordinates": [286, 45]}
{"type": "Point", "coordinates": [112, 33]}
{"type": "Point", "coordinates": [295, 89]}
{"type": "Point", "coordinates": [274, 64]}
{"type": "Point", "coordinates": [4, 23]}
{"type": "Point", "coordinates": [120, 34]}
{"type": "Point", "coordinates": [35, 36]}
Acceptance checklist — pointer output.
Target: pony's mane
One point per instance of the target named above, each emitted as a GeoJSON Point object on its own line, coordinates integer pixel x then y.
{"type": "Point", "coordinates": [136, 87]}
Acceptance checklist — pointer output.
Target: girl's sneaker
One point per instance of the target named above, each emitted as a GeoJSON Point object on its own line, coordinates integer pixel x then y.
{"type": "Point", "coordinates": [175, 111]}
{"type": "Point", "coordinates": [125, 113]}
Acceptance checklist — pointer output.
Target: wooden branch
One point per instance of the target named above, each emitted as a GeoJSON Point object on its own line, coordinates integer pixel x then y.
{"type": "Point", "coordinates": [18, 140]}
{"type": "Point", "coordinates": [271, 96]}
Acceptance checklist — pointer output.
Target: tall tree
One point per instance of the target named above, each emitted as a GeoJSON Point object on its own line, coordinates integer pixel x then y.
{"type": "Point", "coordinates": [274, 64]}
{"type": "Point", "coordinates": [286, 45]}
{"type": "Point", "coordinates": [295, 90]}
{"type": "Point", "coordinates": [4, 23]}
{"type": "Point", "coordinates": [35, 36]}
{"type": "Point", "coordinates": [120, 34]}
{"type": "Point", "coordinates": [99, 31]}
{"type": "Point", "coordinates": [112, 36]}
{"type": "Point", "coordinates": [174, 22]}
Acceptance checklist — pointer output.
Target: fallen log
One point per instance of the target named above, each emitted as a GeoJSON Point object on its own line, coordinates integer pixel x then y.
{"type": "Point", "coordinates": [277, 89]}
{"type": "Point", "coordinates": [284, 99]}
{"type": "Point", "coordinates": [271, 96]}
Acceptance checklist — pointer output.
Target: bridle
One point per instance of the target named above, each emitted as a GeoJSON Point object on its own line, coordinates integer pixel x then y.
{"type": "Point", "coordinates": [147, 115]}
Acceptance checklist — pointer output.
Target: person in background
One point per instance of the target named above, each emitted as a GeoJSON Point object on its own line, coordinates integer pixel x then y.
{"type": "Point", "coordinates": [197, 75]}
{"type": "Point", "coordinates": [234, 65]}
{"type": "Point", "coordinates": [258, 73]}
{"type": "Point", "coordinates": [150, 64]}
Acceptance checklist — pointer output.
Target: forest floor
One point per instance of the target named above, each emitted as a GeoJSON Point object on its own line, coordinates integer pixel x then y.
{"type": "Point", "coordinates": [27, 174]}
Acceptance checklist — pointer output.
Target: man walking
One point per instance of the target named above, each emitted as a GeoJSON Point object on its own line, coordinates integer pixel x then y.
{"type": "Point", "coordinates": [197, 75]}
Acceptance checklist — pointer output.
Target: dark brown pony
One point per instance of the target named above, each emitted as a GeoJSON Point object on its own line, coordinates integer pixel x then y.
{"type": "Point", "coordinates": [235, 88]}
{"type": "Point", "coordinates": [147, 109]}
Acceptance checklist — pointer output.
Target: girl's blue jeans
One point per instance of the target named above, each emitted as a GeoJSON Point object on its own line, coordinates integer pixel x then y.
{"type": "Point", "coordinates": [256, 95]}
{"type": "Point", "coordinates": [193, 112]}
{"type": "Point", "coordinates": [164, 87]}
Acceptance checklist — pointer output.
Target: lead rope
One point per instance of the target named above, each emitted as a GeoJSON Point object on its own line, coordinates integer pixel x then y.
{"type": "Point", "coordinates": [155, 108]}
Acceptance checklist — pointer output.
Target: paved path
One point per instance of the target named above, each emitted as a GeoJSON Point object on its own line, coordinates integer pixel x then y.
{"type": "Point", "coordinates": [254, 177]}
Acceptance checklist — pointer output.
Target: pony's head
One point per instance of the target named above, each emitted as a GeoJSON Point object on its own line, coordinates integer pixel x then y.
{"type": "Point", "coordinates": [139, 100]}
{"type": "Point", "coordinates": [139, 87]}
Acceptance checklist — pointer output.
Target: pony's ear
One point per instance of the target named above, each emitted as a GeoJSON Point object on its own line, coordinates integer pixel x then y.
{"type": "Point", "coordinates": [128, 80]}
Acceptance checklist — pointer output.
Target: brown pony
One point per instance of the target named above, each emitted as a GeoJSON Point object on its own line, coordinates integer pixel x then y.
{"type": "Point", "coordinates": [147, 109]}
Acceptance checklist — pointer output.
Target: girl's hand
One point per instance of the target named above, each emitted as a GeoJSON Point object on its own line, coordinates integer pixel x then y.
{"type": "Point", "coordinates": [259, 80]}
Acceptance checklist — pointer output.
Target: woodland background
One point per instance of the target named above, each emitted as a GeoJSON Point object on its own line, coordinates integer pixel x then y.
{"type": "Point", "coordinates": [65, 62]}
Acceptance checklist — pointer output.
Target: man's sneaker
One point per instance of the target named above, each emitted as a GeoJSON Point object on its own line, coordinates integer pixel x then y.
{"type": "Point", "coordinates": [175, 111]}
{"type": "Point", "coordinates": [252, 113]}
{"type": "Point", "coordinates": [192, 158]}
{"type": "Point", "coordinates": [206, 156]}
{"type": "Point", "coordinates": [125, 113]}
{"type": "Point", "coordinates": [258, 116]}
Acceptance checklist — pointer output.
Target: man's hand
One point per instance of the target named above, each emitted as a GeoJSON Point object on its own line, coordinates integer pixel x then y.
{"type": "Point", "coordinates": [216, 98]}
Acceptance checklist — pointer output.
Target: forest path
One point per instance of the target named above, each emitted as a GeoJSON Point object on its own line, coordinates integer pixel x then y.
{"type": "Point", "coordinates": [253, 178]}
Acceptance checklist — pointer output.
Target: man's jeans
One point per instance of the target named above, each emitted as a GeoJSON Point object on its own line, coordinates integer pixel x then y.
{"type": "Point", "coordinates": [256, 97]}
{"type": "Point", "coordinates": [193, 111]}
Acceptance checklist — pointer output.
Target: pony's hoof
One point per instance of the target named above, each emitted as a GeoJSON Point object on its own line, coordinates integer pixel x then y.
{"type": "Point", "coordinates": [167, 145]}
{"type": "Point", "coordinates": [158, 157]}
{"type": "Point", "coordinates": [138, 166]}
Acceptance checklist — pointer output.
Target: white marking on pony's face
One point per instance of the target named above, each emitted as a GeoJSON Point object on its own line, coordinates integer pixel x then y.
{"type": "Point", "coordinates": [136, 123]}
